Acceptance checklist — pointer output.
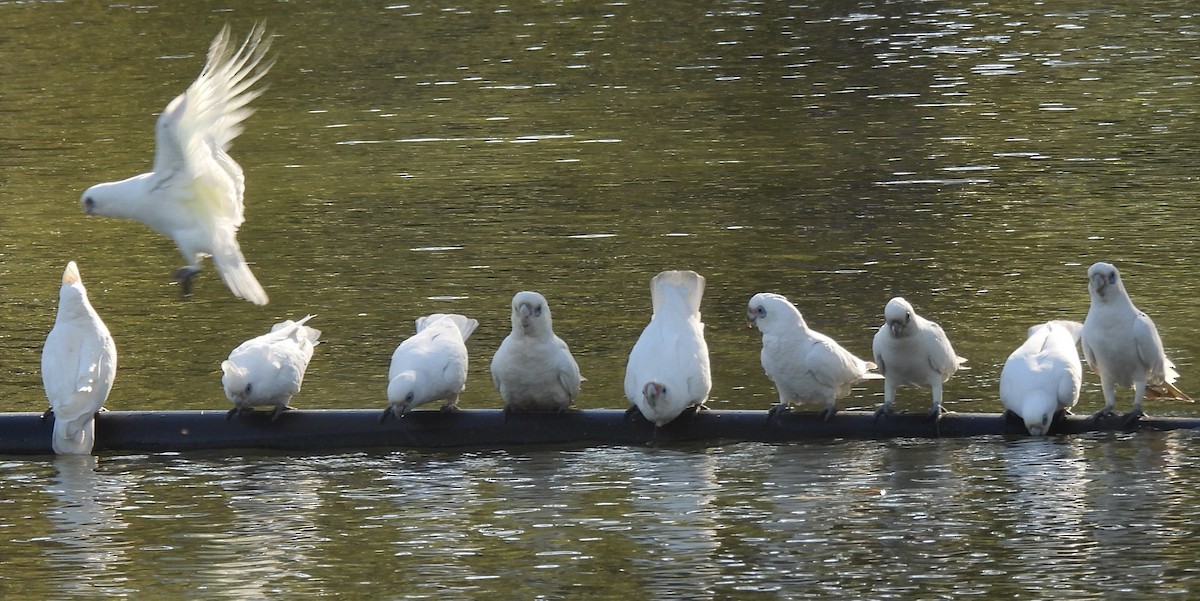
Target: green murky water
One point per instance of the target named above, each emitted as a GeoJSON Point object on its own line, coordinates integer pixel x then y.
{"type": "Point", "coordinates": [421, 157]}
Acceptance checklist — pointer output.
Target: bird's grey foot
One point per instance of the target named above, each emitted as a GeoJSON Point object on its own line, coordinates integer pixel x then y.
{"type": "Point", "coordinates": [1131, 418]}
{"type": "Point", "coordinates": [450, 408]}
{"type": "Point", "coordinates": [505, 412]}
{"type": "Point", "coordinates": [184, 276]}
{"type": "Point", "coordinates": [386, 412]}
{"type": "Point", "coordinates": [936, 413]}
{"type": "Point", "coordinates": [47, 413]}
{"type": "Point", "coordinates": [1102, 415]}
{"type": "Point", "coordinates": [827, 413]}
{"type": "Point", "coordinates": [631, 412]}
{"type": "Point", "coordinates": [235, 411]}
{"type": "Point", "coordinates": [279, 409]}
{"type": "Point", "coordinates": [776, 409]}
{"type": "Point", "coordinates": [694, 409]}
{"type": "Point", "coordinates": [884, 410]}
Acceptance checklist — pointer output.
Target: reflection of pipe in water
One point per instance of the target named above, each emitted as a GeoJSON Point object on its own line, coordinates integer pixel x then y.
{"type": "Point", "coordinates": [86, 548]}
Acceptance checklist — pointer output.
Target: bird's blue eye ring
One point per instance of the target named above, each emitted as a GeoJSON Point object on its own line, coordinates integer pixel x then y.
{"type": "Point", "coordinates": [761, 310]}
{"type": "Point", "coordinates": [249, 387]}
{"type": "Point", "coordinates": [537, 310]}
{"type": "Point", "coordinates": [1112, 278]}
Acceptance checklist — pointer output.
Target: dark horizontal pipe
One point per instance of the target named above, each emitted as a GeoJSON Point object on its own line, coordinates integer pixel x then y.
{"type": "Point", "coordinates": [327, 429]}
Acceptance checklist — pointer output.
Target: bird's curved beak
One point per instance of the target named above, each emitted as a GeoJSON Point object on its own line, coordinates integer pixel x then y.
{"type": "Point", "coordinates": [750, 319]}
{"type": "Point", "coordinates": [896, 327]}
{"type": "Point", "coordinates": [526, 313]}
{"type": "Point", "coordinates": [1099, 284]}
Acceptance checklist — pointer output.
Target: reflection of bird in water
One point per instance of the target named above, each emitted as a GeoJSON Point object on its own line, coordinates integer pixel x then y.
{"type": "Point", "coordinates": [87, 548]}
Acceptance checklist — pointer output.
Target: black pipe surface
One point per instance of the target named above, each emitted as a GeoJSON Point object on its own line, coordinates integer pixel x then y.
{"type": "Point", "coordinates": [329, 429]}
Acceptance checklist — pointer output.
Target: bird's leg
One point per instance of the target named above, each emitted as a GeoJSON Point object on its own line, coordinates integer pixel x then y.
{"type": "Point", "coordinates": [386, 412]}
{"type": "Point", "coordinates": [1139, 393]}
{"type": "Point", "coordinates": [47, 413]}
{"type": "Point", "coordinates": [1110, 399]}
{"type": "Point", "coordinates": [776, 409]}
{"type": "Point", "coordinates": [451, 405]}
{"type": "Point", "coordinates": [935, 412]}
{"type": "Point", "coordinates": [237, 410]}
{"type": "Point", "coordinates": [184, 276]}
{"type": "Point", "coordinates": [279, 409]}
{"type": "Point", "coordinates": [505, 412]}
{"type": "Point", "coordinates": [828, 411]}
{"type": "Point", "coordinates": [889, 397]}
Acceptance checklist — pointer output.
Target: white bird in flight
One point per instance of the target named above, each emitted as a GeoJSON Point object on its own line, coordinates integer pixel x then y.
{"type": "Point", "coordinates": [668, 368]}
{"type": "Point", "coordinates": [268, 370]}
{"type": "Point", "coordinates": [807, 366]}
{"type": "Point", "coordinates": [79, 364]}
{"type": "Point", "coordinates": [1041, 379]}
{"type": "Point", "coordinates": [533, 369]}
{"type": "Point", "coordinates": [1122, 345]}
{"type": "Point", "coordinates": [194, 193]}
{"type": "Point", "coordinates": [430, 365]}
{"type": "Point", "coordinates": [912, 351]}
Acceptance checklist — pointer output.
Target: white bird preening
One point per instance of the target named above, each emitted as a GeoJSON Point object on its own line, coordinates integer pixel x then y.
{"type": "Point", "coordinates": [1122, 345]}
{"type": "Point", "coordinates": [533, 369]}
{"type": "Point", "coordinates": [912, 351]}
{"type": "Point", "coordinates": [79, 364]}
{"type": "Point", "coordinates": [807, 366]}
{"type": "Point", "coordinates": [1041, 379]}
{"type": "Point", "coordinates": [194, 192]}
{"type": "Point", "coordinates": [268, 370]}
{"type": "Point", "coordinates": [668, 367]}
{"type": "Point", "coordinates": [430, 365]}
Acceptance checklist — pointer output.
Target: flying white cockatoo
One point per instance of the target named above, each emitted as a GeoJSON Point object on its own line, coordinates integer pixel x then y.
{"type": "Point", "coordinates": [79, 363]}
{"type": "Point", "coordinates": [807, 366]}
{"type": "Point", "coordinates": [430, 365]}
{"type": "Point", "coordinates": [1041, 379]}
{"type": "Point", "coordinates": [194, 193]}
{"type": "Point", "coordinates": [268, 370]}
{"type": "Point", "coordinates": [912, 351]}
{"type": "Point", "coordinates": [533, 369]}
{"type": "Point", "coordinates": [1122, 345]}
{"type": "Point", "coordinates": [668, 367]}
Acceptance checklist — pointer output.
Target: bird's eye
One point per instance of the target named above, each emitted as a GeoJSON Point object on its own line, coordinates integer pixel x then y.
{"type": "Point", "coordinates": [249, 387]}
{"type": "Point", "coordinates": [537, 311]}
{"type": "Point", "coordinates": [1112, 278]}
{"type": "Point", "coordinates": [761, 311]}
{"type": "Point", "coordinates": [408, 398]}
{"type": "Point", "coordinates": [89, 203]}
{"type": "Point", "coordinates": [907, 316]}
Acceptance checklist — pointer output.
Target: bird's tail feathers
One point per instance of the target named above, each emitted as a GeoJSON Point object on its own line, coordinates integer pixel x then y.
{"type": "Point", "coordinates": [687, 285]}
{"type": "Point", "coordinates": [309, 332]}
{"type": "Point", "coordinates": [465, 324]}
{"type": "Point", "coordinates": [1167, 390]}
{"type": "Point", "coordinates": [871, 375]}
{"type": "Point", "coordinates": [237, 276]}
{"type": "Point", "coordinates": [71, 274]}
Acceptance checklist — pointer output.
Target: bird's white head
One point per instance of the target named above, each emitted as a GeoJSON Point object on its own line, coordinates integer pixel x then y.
{"type": "Point", "coordinates": [402, 392]}
{"type": "Point", "coordinates": [772, 312]}
{"type": "Point", "coordinates": [653, 392]}
{"type": "Point", "coordinates": [897, 315]}
{"type": "Point", "coordinates": [530, 313]}
{"type": "Point", "coordinates": [1103, 278]}
{"type": "Point", "coordinates": [236, 381]}
{"type": "Point", "coordinates": [1038, 422]}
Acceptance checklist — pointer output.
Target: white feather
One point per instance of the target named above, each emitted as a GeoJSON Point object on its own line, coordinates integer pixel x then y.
{"type": "Point", "coordinates": [533, 369]}
{"type": "Point", "coordinates": [668, 368]}
{"type": "Point", "coordinates": [79, 364]}
{"type": "Point", "coordinates": [912, 351]}
{"type": "Point", "coordinates": [430, 365]}
{"type": "Point", "coordinates": [268, 370]}
{"type": "Point", "coordinates": [807, 366]}
{"type": "Point", "coordinates": [1042, 377]}
{"type": "Point", "coordinates": [194, 193]}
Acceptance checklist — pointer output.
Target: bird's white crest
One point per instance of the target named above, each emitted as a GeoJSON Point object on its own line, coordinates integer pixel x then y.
{"type": "Point", "coordinates": [1042, 377]}
{"type": "Point", "coordinates": [1122, 344]}
{"type": "Point", "coordinates": [807, 366]}
{"type": "Point", "coordinates": [431, 365]}
{"type": "Point", "coordinates": [533, 370]}
{"type": "Point", "coordinates": [910, 350]}
{"type": "Point", "coordinates": [79, 365]}
{"type": "Point", "coordinates": [671, 352]}
{"type": "Point", "coordinates": [195, 192]}
{"type": "Point", "coordinates": [268, 370]}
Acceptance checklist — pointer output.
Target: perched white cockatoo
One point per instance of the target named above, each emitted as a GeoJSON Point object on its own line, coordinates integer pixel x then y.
{"type": "Point", "coordinates": [533, 369]}
{"type": "Point", "coordinates": [194, 193]}
{"type": "Point", "coordinates": [668, 367]}
{"type": "Point", "coordinates": [269, 369]}
{"type": "Point", "coordinates": [431, 365]}
{"type": "Point", "coordinates": [1041, 379]}
{"type": "Point", "coordinates": [912, 351]}
{"type": "Point", "coordinates": [79, 363]}
{"type": "Point", "coordinates": [1122, 345]}
{"type": "Point", "coordinates": [807, 366]}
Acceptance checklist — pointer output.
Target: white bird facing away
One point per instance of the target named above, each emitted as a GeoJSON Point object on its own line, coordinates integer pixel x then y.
{"type": "Point", "coordinates": [269, 369]}
{"type": "Point", "coordinates": [79, 363]}
{"type": "Point", "coordinates": [668, 367]}
{"type": "Point", "coordinates": [912, 351]}
{"type": "Point", "coordinates": [533, 369]}
{"type": "Point", "coordinates": [1041, 379]}
{"type": "Point", "coordinates": [431, 365]}
{"type": "Point", "coordinates": [807, 366]}
{"type": "Point", "coordinates": [1122, 345]}
{"type": "Point", "coordinates": [194, 192]}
